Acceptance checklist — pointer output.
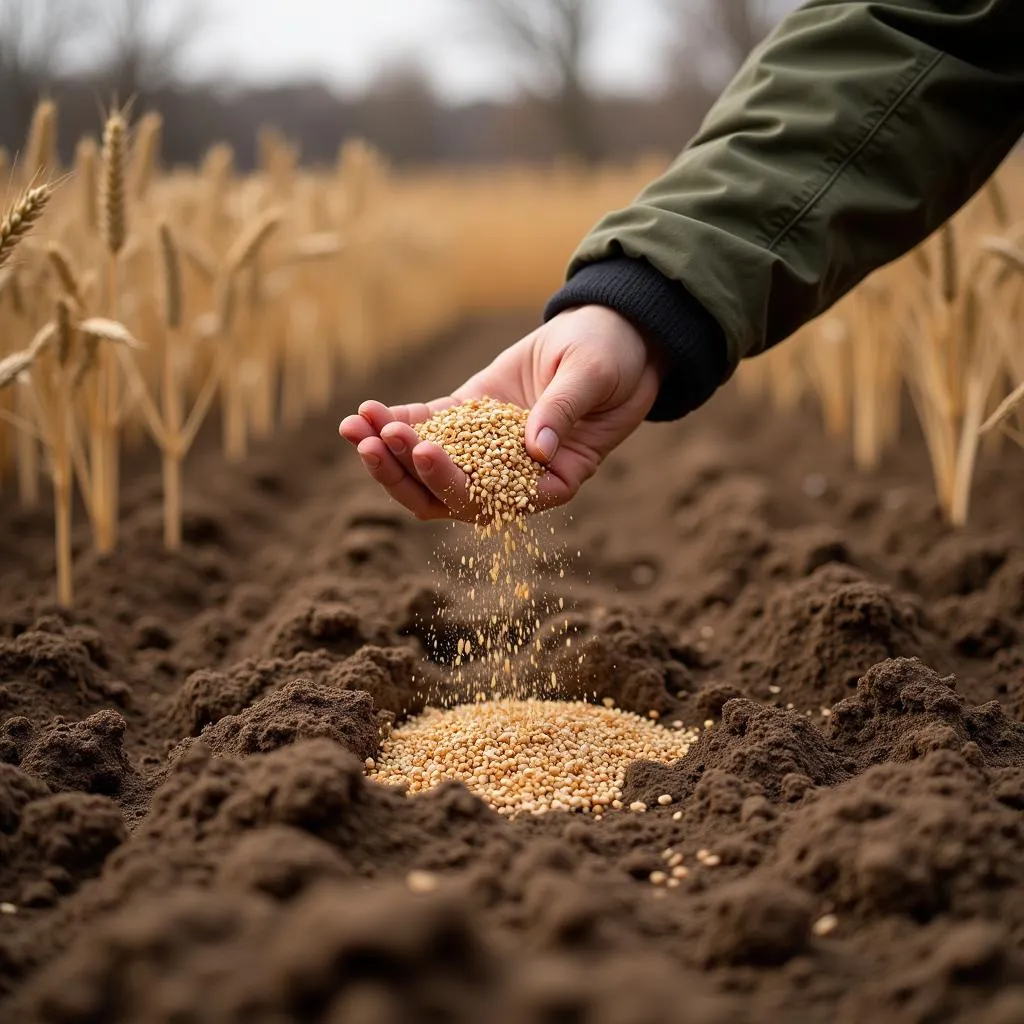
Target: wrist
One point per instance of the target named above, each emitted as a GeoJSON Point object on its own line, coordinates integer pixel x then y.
{"type": "Point", "coordinates": [610, 323]}
{"type": "Point", "coordinates": [684, 342]}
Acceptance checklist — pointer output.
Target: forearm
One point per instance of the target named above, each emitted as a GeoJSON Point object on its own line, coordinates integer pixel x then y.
{"type": "Point", "coordinates": [847, 138]}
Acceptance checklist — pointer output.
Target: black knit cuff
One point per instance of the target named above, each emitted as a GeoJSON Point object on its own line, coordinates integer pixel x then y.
{"type": "Point", "coordinates": [667, 316]}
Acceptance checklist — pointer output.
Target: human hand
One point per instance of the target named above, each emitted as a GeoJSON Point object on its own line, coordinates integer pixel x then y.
{"type": "Point", "coordinates": [588, 378]}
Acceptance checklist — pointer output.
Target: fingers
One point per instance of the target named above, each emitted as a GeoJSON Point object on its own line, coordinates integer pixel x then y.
{"type": "Point", "coordinates": [577, 389]}
{"type": "Point", "coordinates": [401, 439]}
{"type": "Point", "coordinates": [393, 477]}
{"type": "Point", "coordinates": [570, 469]}
{"type": "Point", "coordinates": [430, 465]}
{"type": "Point", "coordinates": [355, 429]}
{"type": "Point", "coordinates": [376, 414]}
{"type": "Point", "coordinates": [445, 481]}
{"type": "Point", "coordinates": [552, 491]}
{"type": "Point", "coordinates": [417, 412]}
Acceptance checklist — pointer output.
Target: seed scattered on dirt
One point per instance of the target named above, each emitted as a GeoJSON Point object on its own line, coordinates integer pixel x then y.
{"type": "Point", "coordinates": [677, 816]}
{"type": "Point", "coordinates": [421, 881]}
{"type": "Point", "coordinates": [528, 756]}
{"type": "Point", "coordinates": [825, 925]}
{"type": "Point", "coordinates": [658, 878]}
{"type": "Point", "coordinates": [638, 805]}
{"type": "Point", "coordinates": [665, 799]}
{"type": "Point", "coordinates": [8, 908]}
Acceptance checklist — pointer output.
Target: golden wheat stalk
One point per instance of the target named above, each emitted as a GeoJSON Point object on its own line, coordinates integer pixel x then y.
{"type": "Point", "coordinates": [41, 147]}
{"type": "Point", "coordinates": [60, 261]}
{"type": "Point", "coordinates": [146, 154]}
{"type": "Point", "coordinates": [112, 183]}
{"type": "Point", "coordinates": [87, 176]}
{"type": "Point", "coordinates": [19, 220]}
{"type": "Point", "coordinates": [251, 241]}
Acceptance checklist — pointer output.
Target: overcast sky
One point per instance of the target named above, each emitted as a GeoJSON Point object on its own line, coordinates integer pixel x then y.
{"type": "Point", "coordinates": [344, 41]}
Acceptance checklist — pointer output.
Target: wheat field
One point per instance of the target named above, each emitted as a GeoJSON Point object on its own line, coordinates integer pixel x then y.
{"type": "Point", "coordinates": [136, 300]}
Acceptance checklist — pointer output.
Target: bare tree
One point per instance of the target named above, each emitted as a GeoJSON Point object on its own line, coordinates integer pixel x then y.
{"type": "Point", "coordinates": [400, 113]}
{"type": "Point", "coordinates": [710, 39]}
{"type": "Point", "coordinates": [143, 45]}
{"type": "Point", "coordinates": [34, 39]}
{"type": "Point", "coordinates": [551, 38]}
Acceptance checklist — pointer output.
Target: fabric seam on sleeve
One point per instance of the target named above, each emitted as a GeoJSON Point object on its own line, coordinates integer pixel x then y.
{"type": "Point", "coordinates": [827, 186]}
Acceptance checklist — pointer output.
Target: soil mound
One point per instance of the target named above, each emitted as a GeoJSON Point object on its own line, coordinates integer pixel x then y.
{"type": "Point", "coordinates": [300, 710]}
{"type": "Point", "coordinates": [902, 710]}
{"type": "Point", "coordinates": [779, 754]}
{"type": "Point", "coordinates": [815, 637]}
{"type": "Point", "coordinates": [392, 676]}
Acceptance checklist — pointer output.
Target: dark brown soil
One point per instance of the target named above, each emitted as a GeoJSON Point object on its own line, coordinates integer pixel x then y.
{"type": "Point", "coordinates": [186, 832]}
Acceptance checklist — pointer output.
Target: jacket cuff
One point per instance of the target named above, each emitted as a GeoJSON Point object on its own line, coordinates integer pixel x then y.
{"type": "Point", "coordinates": [668, 317]}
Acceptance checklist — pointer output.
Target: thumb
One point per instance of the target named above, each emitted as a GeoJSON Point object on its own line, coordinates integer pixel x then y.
{"type": "Point", "coordinates": [574, 392]}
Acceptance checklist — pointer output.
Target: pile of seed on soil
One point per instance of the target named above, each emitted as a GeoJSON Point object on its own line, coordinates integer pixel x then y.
{"type": "Point", "coordinates": [528, 756]}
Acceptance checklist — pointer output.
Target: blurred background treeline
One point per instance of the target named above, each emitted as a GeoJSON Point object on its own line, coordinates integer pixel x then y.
{"type": "Point", "coordinates": [554, 102]}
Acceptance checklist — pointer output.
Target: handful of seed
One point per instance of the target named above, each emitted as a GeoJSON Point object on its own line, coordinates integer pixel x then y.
{"type": "Point", "coordinates": [486, 439]}
{"type": "Point", "coordinates": [527, 756]}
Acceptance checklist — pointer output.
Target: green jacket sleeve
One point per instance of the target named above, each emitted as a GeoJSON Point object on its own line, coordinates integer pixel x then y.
{"type": "Point", "coordinates": [847, 137]}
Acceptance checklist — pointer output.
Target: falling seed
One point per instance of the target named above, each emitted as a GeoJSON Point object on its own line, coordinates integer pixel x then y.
{"type": "Point", "coordinates": [772, 688]}
{"type": "Point", "coordinates": [421, 881]}
{"type": "Point", "coordinates": [8, 908]}
{"type": "Point", "coordinates": [658, 877]}
{"type": "Point", "coordinates": [825, 925]}
{"type": "Point", "coordinates": [677, 816]}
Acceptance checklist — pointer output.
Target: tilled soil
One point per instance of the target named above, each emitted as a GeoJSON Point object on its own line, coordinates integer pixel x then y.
{"type": "Point", "coordinates": [186, 832]}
